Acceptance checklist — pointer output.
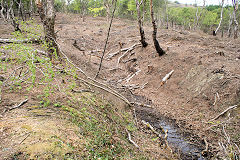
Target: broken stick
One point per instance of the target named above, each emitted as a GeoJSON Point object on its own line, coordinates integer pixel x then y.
{"type": "Point", "coordinates": [141, 104]}
{"type": "Point", "coordinates": [226, 110]}
{"type": "Point", "coordinates": [164, 80]}
{"type": "Point", "coordinates": [130, 77]}
{"type": "Point", "coordinates": [19, 105]}
{"type": "Point", "coordinates": [122, 50]}
{"type": "Point", "coordinates": [30, 40]}
{"type": "Point", "coordinates": [130, 139]}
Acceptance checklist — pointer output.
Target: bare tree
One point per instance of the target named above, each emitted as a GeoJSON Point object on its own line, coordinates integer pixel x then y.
{"type": "Point", "coordinates": [198, 16]}
{"type": "Point", "coordinates": [47, 15]}
{"type": "Point", "coordinates": [20, 8]}
{"type": "Point", "coordinates": [140, 24]}
{"type": "Point", "coordinates": [220, 18]}
{"type": "Point", "coordinates": [108, 5]}
{"type": "Point", "coordinates": [159, 50]}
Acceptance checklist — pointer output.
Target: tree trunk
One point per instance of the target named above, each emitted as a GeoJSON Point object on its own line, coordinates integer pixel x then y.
{"type": "Point", "coordinates": [15, 24]}
{"type": "Point", "coordinates": [31, 8]}
{"type": "Point", "coordinates": [20, 9]}
{"type": "Point", "coordinates": [2, 9]}
{"type": "Point", "coordinates": [166, 10]}
{"type": "Point", "coordinates": [200, 14]}
{"type": "Point", "coordinates": [235, 31]}
{"type": "Point", "coordinates": [140, 24]}
{"type": "Point", "coordinates": [9, 12]}
{"type": "Point", "coordinates": [220, 18]}
{"type": "Point", "coordinates": [47, 15]}
{"type": "Point", "coordinates": [230, 25]}
{"type": "Point", "coordinates": [159, 50]}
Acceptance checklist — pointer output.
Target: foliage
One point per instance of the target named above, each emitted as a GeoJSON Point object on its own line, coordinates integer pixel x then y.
{"type": "Point", "coordinates": [96, 11]}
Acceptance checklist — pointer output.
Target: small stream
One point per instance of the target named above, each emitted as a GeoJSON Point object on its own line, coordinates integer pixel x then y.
{"type": "Point", "coordinates": [177, 140]}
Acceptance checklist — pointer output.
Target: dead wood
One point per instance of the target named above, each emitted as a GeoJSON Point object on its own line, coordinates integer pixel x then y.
{"type": "Point", "coordinates": [25, 138]}
{"type": "Point", "coordinates": [29, 40]}
{"type": "Point", "coordinates": [226, 110]}
{"type": "Point", "coordinates": [130, 60]}
{"type": "Point", "coordinates": [19, 105]}
{"type": "Point", "coordinates": [153, 130]}
{"type": "Point", "coordinates": [90, 81]}
{"type": "Point", "coordinates": [164, 139]}
{"type": "Point", "coordinates": [142, 104]}
{"type": "Point", "coordinates": [164, 80]}
{"type": "Point", "coordinates": [205, 151]}
{"type": "Point", "coordinates": [124, 54]}
{"type": "Point", "coordinates": [130, 139]}
{"type": "Point", "coordinates": [131, 76]}
{"type": "Point", "coordinates": [82, 90]}
{"type": "Point", "coordinates": [111, 55]}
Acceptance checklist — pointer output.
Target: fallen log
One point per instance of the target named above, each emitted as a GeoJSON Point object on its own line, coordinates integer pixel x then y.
{"type": "Point", "coordinates": [28, 40]}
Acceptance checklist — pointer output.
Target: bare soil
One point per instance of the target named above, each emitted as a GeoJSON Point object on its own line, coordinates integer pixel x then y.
{"type": "Point", "coordinates": [206, 78]}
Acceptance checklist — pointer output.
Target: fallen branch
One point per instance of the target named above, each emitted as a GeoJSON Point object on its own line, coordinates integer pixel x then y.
{"type": "Point", "coordinates": [98, 84]}
{"type": "Point", "coordinates": [19, 105]}
{"type": "Point", "coordinates": [141, 104]}
{"type": "Point", "coordinates": [153, 130]}
{"type": "Point", "coordinates": [41, 52]}
{"type": "Point", "coordinates": [25, 138]}
{"type": "Point", "coordinates": [125, 53]}
{"type": "Point", "coordinates": [229, 108]}
{"type": "Point", "coordinates": [29, 40]}
{"type": "Point", "coordinates": [205, 151]}
{"type": "Point", "coordinates": [130, 139]}
{"type": "Point", "coordinates": [82, 90]}
{"type": "Point", "coordinates": [215, 99]}
{"type": "Point", "coordinates": [164, 80]}
{"type": "Point", "coordinates": [130, 77]}
{"type": "Point", "coordinates": [111, 55]}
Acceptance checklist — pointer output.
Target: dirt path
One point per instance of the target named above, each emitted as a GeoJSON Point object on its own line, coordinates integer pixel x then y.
{"type": "Point", "coordinates": [206, 78]}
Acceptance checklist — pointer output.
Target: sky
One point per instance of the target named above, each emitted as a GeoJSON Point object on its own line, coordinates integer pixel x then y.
{"type": "Point", "coordinates": [200, 2]}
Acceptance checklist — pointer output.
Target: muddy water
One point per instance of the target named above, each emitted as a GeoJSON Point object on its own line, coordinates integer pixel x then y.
{"type": "Point", "coordinates": [177, 140]}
